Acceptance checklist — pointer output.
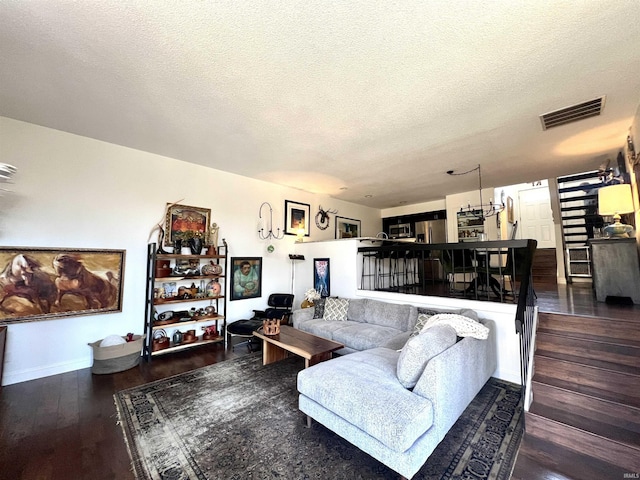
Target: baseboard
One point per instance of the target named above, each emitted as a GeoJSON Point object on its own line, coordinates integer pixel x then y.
{"type": "Point", "coordinates": [9, 378]}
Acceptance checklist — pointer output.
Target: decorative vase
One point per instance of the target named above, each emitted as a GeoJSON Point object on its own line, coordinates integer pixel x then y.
{"type": "Point", "coordinates": [214, 288]}
{"type": "Point", "coordinates": [177, 246]}
{"type": "Point", "coordinates": [211, 250]}
{"type": "Point", "coordinates": [195, 244]}
{"type": "Point", "coordinates": [306, 304]}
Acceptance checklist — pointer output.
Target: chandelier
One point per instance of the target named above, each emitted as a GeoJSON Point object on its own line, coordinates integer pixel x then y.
{"type": "Point", "coordinates": [485, 209]}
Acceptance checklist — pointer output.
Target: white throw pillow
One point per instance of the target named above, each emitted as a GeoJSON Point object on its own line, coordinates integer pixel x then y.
{"type": "Point", "coordinates": [464, 326]}
{"type": "Point", "coordinates": [335, 309]}
{"type": "Point", "coordinates": [417, 352]}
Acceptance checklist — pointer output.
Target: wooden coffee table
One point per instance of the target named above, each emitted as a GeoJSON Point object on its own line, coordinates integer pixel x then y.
{"type": "Point", "coordinates": [312, 348]}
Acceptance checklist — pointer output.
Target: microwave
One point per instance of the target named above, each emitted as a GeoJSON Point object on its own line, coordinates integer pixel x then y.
{"type": "Point", "coordinates": [400, 230]}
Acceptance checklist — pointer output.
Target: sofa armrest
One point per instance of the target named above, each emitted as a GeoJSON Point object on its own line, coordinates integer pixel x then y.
{"type": "Point", "coordinates": [302, 315]}
{"type": "Point", "coordinates": [453, 378]}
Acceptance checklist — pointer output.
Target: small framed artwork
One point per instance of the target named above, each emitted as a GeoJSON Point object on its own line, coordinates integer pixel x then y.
{"type": "Point", "coordinates": [510, 210]}
{"type": "Point", "coordinates": [296, 217]}
{"type": "Point", "coordinates": [48, 283]}
{"type": "Point", "coordinates": [321, 276]}
{"type": "Point", "coordinates": [247, 277]}
{"type": "Point", "coordinates": [347, 227]}
{"type": "Point", "coordinates": [184, 222]}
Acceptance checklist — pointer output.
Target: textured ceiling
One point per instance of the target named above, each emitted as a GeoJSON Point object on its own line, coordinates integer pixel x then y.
{"type": "Point", "coordinates": [352, 99]}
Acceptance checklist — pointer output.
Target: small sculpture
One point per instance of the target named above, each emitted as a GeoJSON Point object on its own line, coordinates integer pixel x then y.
{"type": "Point", "coordinates": [271, 327]}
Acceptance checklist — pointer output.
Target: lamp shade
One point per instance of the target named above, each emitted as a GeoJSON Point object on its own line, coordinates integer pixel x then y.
{"type": "Point", "coordinates": [615, 199]}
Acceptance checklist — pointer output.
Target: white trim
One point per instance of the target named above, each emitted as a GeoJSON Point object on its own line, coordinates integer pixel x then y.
{"type": "Point", "coordinates": [12, 377]}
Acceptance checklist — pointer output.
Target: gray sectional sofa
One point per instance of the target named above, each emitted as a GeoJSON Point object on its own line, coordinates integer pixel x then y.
{"type": "Point", "coordinates": [370, 323]}
{"type": "Point", "coordinates": [397, 395]}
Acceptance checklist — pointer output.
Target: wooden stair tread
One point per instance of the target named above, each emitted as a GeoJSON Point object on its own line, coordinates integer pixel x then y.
{"type": "Point", "coordinates": [589, 424]}
{"type": "Point", "coordinates": [572, 438]}
{"type": "Point", "coordinates": [606, 394]}
{"type": "Point", "coordinates": [590, 328]}
{"type": "Point", "coordinates": [589, 337]}
{"type": "Point", "coordinates": [617, 358]}
{"type": "Point", "coordinates": [584, 339]}
{"type": "Point", "coordinates": [542, 460]}
{"type": "Point", "coordinates": [617, 415]}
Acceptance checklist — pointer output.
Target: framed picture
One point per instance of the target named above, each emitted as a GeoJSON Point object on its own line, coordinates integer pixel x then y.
{"type": "Point", "coordinates": [247, 277]}
{"type": "Point", "coordinates": [184, 222]}
{"type": "Point", "coordinates": [46, 283]}
{"type": "Point", "coordinates": [510, 210]}
{"type": "Point", "coordinates": [321, 276]}
{"type": "Point", "coordinates": [296, 217]}
{"type": "Point", "coordinates": [347, 227]}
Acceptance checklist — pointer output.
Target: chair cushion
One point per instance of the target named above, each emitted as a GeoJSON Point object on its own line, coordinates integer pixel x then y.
{"type": "Point", "coordinates": [417, 352]}
{"type": "Point", "coordinates": [244, 327]}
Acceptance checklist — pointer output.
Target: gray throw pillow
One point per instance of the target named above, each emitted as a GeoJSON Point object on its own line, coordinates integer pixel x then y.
{"type": "Point", "coordinates": [318, 308]}
{"type": "Point", "coordinates": [335, 309]}
{"type": "Point", "coordinates": [417, 352]}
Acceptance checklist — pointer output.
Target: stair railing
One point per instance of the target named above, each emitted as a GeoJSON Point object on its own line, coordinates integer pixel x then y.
{"type": "Point", "coordinates": [525, 319]}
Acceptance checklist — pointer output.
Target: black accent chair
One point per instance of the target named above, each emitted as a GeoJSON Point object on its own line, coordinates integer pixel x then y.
{"type": "Point", "coordinates": [279, 306]}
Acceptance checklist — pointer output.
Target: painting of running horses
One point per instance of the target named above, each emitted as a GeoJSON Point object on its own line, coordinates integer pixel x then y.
{"type": "Point", "coordinates": [45, 283]}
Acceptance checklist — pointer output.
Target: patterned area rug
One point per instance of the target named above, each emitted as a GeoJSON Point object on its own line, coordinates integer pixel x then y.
{"type": "Point", "coordinates": [239, 420]}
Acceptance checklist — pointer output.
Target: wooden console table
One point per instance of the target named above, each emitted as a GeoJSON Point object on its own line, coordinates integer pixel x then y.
{"type": "Point", "coordinates": [616, 270]}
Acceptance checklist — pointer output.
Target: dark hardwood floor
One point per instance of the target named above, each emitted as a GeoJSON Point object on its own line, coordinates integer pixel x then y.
{"type": "Point", "coordinates": [65, 426]}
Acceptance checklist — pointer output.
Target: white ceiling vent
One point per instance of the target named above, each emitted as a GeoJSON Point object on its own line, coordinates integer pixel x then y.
{"type": "Point", "coordinates": [583, 110]}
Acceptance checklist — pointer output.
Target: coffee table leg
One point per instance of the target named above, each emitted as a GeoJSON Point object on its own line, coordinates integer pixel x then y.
{"type": "Point", "coordinates": [317, 359]}
{"type": "Point", "coordinates": [272, 353]}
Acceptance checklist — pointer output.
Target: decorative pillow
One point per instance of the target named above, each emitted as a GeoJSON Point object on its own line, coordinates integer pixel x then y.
{"type": "Point", "coordinates": [424, 314]}
{"type": "Point", "coordinates": [335, 309]}
{"type": "Point", "coordinates": [318, 308]}
{"type": "Point", "coordinates": [423, 318]}
{"type": "Point", "coordinates": [463, 326]}
{"type": "Point", "coordinates": [417, 352]}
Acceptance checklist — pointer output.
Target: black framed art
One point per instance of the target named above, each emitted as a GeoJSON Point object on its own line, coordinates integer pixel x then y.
{"type": "Point", "coordinates": [347, 227]}
{"type": "Point", "coordinates": [321, 276]}
{"type": "Point", "coordinates": [247, 277]}
{"type": "Point", "coordinates": [296, 217]}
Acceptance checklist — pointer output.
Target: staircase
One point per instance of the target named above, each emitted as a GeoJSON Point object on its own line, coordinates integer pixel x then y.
{"type": "Point", "coordinates": [584, 422]}
{"type": "Point", "coordinates": [578, 195]}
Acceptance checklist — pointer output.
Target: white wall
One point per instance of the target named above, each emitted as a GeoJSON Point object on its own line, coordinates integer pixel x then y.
{"type": "Point", "coordinates": [76, 192]}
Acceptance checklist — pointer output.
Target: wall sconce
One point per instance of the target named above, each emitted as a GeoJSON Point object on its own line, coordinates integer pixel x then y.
{"type": "Point", "coordinates": [614, 200]}
{"type": "Point", "coordinates": [264, 235]}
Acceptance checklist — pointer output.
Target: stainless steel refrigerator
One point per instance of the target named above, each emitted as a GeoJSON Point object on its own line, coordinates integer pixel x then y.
{"type": "Point", "coordinates": [432, 231]}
